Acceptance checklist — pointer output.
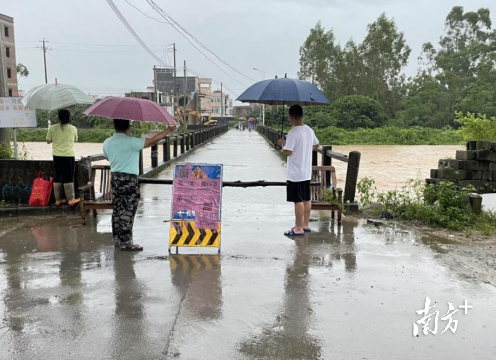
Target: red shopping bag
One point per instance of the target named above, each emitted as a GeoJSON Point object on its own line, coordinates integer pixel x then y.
{"type": "Point", "coordinates": [41, 191]}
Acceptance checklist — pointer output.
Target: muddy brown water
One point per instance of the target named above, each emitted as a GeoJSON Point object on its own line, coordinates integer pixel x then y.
{"type": "Point", "coordinates": [391, 166]}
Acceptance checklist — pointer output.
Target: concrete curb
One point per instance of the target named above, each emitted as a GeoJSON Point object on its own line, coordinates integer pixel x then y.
{"type": "Point", "coordinates": [37, 211]}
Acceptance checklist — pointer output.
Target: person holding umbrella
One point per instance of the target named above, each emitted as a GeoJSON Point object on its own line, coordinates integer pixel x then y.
{"type": "Point", "coordinates": [123, 152]}
{"type": "Point", "coordinates": [298, 147]}
{"type": "Point", "coordinates": [62, 137]}
{"type": "Point", "coordinates": [300, 142]}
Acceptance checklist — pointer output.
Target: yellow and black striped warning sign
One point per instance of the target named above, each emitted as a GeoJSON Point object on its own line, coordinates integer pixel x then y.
{"type": "Point", "coordinates": [186, 234]}
{"type": "Point", "coordinates": [191, 263]}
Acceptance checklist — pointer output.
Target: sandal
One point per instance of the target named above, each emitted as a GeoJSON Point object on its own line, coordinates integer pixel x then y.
{"type": "Point", "coordinates": [74, 202]}
{"type": "Point", "coordinates": [307, 230]}
{"type": "Point", "coordinates": [292, 233]}
{"type": "Point", "coordinates": [59, 203]}
{"type": "Point", "coordinates": [133, 247]}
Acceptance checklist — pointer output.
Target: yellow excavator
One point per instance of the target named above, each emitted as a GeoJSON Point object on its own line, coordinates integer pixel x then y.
{"type": "Point", "coordinates": [201, 119]}
{"type": "Point", "coordinates": [206, 120]}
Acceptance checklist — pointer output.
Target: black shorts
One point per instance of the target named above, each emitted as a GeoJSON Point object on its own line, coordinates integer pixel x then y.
{"type": "Point", "coordinates": [64, 169]}
{"type": "Point", "coordinates": [298, 191]}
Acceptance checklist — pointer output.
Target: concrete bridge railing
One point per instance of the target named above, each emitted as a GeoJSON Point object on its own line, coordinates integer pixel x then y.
{"type": "Point", "coordinates": [326, 157]}
{"type": "Point", "coordinates": [181, 146]}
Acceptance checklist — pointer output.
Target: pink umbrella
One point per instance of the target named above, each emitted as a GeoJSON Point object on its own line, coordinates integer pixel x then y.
{"type": "Point", "coordinates": [140, 110]}
{"type": "Point", "coordinates": [251, 119]}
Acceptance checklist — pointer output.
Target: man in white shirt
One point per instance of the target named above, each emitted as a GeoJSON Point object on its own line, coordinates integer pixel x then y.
{"type": "Point", "coordinates": [298, 147]}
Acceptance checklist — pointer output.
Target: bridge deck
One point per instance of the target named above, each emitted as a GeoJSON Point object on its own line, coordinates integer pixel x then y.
{"type": "Point", "coordinates": [336, 293]}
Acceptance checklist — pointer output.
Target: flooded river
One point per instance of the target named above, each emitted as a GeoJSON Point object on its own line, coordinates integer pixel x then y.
{"type": "Point", "coordinates": [391, 166]}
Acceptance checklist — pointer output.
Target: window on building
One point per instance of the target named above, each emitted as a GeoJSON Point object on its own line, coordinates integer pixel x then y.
{"type": "Point", "coordinates": [6, 31]}
{"type": "Point", "coordinates": [9, 73]}
{"type": "Point", "coordinates": [10, 92]}
{"type": "Point", "coordinates": [7, 52]}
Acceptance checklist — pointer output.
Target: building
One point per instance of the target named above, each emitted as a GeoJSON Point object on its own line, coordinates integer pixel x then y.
{"type": "Point", "coordinates": [218, 103]}
{"type": "Point", "coordinates": [244, 110]}
{"type": "Point", "coordinates": [8, 54]}
{"type": "Point", "coordinates": [148, 95]}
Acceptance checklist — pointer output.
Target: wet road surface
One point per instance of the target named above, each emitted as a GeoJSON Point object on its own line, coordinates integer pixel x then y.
{"type": "Point", "coordinates": [349, 292]}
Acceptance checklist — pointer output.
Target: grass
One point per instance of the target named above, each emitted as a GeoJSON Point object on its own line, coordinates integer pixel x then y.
{"type": "Point", "coordinates": [440, 205]}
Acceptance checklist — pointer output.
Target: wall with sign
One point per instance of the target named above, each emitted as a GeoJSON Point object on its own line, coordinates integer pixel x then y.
{"type": "Point", "coordinates": [196, 206]}
{"type": "Point", "coordinates": [13, 114]}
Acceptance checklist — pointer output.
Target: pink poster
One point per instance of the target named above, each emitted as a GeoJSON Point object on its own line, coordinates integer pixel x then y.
{"type": "Point", "coordinates": [197, 194]}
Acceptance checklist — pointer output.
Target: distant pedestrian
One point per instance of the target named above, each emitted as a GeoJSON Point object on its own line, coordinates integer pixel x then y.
{"type": "Point", "coordinates": [62, 136]}
{"type": "Point", "coordinates": [298, 147]}
{"type": "Point", "coordinates": [123, 151]}
{"type": "Point", "coordinates": [250, 126]}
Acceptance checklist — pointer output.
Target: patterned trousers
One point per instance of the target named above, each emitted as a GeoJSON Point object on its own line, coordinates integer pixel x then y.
{"type": "Point", "coordinates": [125, 199]}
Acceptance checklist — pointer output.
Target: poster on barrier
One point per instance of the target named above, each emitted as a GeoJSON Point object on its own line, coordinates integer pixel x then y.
{"type": "Point", "coordinates": [196, 206]}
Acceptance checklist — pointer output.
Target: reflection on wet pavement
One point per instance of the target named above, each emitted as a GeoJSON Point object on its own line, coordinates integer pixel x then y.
{"type": "Point", "coordinates": [339, 292]}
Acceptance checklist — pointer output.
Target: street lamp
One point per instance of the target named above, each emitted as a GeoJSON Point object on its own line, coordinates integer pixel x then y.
{"type": "Point", "coordinates": [263, 105]}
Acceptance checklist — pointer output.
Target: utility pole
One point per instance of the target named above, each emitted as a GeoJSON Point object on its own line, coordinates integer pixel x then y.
{"type": "Point", "coordinates": [175, 77]}
{"type": "Point", "coordinates": [44, 61]}
{"type": "Point", "coordinates": [185, 83]}
{"type": "Point", "coordinates": [46, 76]}
{"type": "Point", "coordinates": [155, 84]}
{"type": "Point", "coordinates": [221, 103]}
{"type": "Point", "coordinates": [4, 133]}
{"type": "Point", "coordinates": [263, 105]}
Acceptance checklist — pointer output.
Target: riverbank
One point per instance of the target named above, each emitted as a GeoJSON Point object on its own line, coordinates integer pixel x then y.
{"type": "Point", "coordinates": [388, 136]}
{"type": "Point", "coordinates": [329, 135]}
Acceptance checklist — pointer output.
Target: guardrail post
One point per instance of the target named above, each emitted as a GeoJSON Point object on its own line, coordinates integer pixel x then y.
{"type": "Point", "coordinates": [351, 176]}
{"type": "Point", "coordinates": [195, 134]}
{"type": "Point", "coordinates": [166, 149]}
{"type": "Point", "coordinates": [154, 154]}
{"type": "Point", "coordinates": [182, 144]}
{"type": "Point", "coordinates": [327, 161]}
{"type": "Point", "coordinates": [141, 162]}
{"type": "Point", "coordinates": [175, 147]}
{"type": "Point", "coordinates": [188, 140]}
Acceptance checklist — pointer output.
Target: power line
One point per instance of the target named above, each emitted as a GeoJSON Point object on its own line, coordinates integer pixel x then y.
{"type": "Point", "coordinates": [86, 44]}
{"type": "Point", "coordinates": [131, 30]}
{"type": "Point", "coordinates": [148, 16]}
{"type": "Point", "coordinates": [171, 20]}
{"type": "Point", "coordinates": [189, 41]}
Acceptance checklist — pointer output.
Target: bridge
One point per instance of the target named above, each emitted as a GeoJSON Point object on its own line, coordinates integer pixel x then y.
{"type": "Point", "coordinates": [338, 292]}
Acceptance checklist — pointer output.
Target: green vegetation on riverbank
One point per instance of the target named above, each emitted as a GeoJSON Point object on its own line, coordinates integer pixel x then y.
{"type": "Point", "coordinates": [388, 136]}
{"type": "Point", "coordinates": [329, 135]}
{"type": "Point", "coordinates": [439, 205]}
{"type": "Point", "coordinates": [94, 135]}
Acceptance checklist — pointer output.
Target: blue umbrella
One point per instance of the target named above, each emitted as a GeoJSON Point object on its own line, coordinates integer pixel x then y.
{"type": "Point", "coordinates": [283, 91]}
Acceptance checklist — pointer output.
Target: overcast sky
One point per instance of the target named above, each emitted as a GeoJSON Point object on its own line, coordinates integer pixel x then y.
{"type": "Point", "coordinates": [91, 48]}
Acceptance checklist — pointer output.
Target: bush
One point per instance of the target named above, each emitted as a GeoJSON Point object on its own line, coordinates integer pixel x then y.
{"type": "Point", "coordinates": [6, 151]}
{"type": "Point", "coordinates": [388, 136]}
{"type": "Point", "coordinates": [358, 111]}
{"type": "Point", "coordinates": [476, 127]}
{"type": "Point", "coordinates": [441, 205]}
{"type": "Point", "coordinates": [94, 135]}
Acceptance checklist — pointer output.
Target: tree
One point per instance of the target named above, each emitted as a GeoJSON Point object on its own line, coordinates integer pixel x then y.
{"type": "Point", "coordinates": [318, 60]}
{"type": "Point", "coordinates": [373, 68]}
{"type": "Point", "coordinates": [385, 53]}
{"type": "Point", "coordinates": [358, 111]}
{"type": "Point", "coordinates": [463, 66]}
{"type": "Point", "coordinates": [426, 103]}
